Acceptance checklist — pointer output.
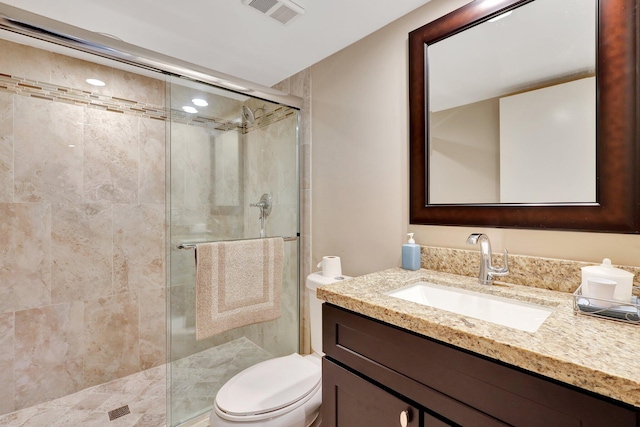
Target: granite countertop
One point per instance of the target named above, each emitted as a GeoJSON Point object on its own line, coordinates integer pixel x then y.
{"type": "Point", "coordinates": [599, 355]}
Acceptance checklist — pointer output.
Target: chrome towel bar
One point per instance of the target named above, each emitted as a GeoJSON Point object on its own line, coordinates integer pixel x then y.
{"type": "Point", "coordinates": [193, 245]}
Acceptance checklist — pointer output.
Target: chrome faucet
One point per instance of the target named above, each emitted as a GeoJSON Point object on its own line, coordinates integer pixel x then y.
{"type": "Point", "coordinates": [487, 271]}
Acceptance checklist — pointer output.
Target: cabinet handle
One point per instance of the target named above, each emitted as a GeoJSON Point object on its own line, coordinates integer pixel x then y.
{"type": "Point", "coordinates": [404, 418]}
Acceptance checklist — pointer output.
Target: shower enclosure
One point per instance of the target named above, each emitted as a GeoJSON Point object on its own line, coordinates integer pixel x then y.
{"type": "Point", "coordinates": [233, 175]}
{"type": "Point", "coordinates": [99, 187]}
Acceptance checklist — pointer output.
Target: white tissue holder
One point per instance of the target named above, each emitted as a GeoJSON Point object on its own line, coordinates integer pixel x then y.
{"type": "Point", "coordinates": [617, 310]}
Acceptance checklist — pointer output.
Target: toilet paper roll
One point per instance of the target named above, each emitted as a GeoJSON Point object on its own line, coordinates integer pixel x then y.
{"type": "Point", "coordinates": [330, 266]}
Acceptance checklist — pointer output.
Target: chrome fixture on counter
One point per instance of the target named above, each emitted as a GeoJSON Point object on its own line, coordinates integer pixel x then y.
{"type": "Point", "coordinates": [487, 271]}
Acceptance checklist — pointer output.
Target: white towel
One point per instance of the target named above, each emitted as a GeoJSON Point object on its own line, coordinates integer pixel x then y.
{"type": "Point", "coordinates": [237, 283]}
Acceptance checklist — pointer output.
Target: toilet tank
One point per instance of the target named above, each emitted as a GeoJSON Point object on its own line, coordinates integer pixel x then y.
{"type": "Point", "coordinates": [315, 307]}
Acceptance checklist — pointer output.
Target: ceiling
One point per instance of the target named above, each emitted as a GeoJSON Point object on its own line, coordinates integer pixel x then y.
{"type": "Point", "coordinates": [226, 35]}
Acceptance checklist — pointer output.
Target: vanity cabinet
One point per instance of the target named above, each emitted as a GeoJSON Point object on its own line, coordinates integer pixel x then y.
{"type": "Point", "coordinates": [373, 371]}
{"type": "Point", "coordinates": [357, 402]}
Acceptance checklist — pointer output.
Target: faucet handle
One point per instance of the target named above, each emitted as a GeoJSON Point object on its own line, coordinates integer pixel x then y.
{"type": "Point", "coordinates": [504, 270]}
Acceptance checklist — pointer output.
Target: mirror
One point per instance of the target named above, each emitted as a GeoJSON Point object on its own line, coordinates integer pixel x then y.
{"type": "Point", "coordinates": [515, 123]}
{"type": "Point", "coordinates": [522, 129]}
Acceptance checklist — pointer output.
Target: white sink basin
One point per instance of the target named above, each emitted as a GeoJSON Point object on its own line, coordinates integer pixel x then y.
{"type": "Point", "coordinates": [503, 311]}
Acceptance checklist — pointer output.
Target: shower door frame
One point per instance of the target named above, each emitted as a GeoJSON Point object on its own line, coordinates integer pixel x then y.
{"type": "Point", "coordinates": [178, 242]}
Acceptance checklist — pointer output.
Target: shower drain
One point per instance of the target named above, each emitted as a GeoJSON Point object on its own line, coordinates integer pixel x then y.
{"type": "Point", "coordinates": [119, 412]}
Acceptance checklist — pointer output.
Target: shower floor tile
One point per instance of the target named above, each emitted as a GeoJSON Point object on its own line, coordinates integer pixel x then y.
{"type": "Point", "coordinates": [195, 381]}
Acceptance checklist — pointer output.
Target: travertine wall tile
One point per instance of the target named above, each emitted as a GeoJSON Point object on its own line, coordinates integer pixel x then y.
{"type": "Point", "coordinates": [26, 62]}
{"type": "Point", "coordinates": [72, 73]}
{"type": "Point", "coordinates": [111, 335]}
{"type": "Point", "coordinates": [153, 341]}
{"type": "Point", "coordinates": [48, 353]}
{"type": "Point", "coordinates": [270, 154]}
{"type": "Point", "coordinates": [197, 163]}
{"type": "Point", "coordinates": [6, 147]}
{"type": "Point", "coordinates": [152, 161]}
{"type": "Point", "coordinates": [81, 251]}
{"type": "Point", "coordinates": [6, 363]}
{"type": "Point", "coordinates": [283, 86]}
{"type": "Point", "coordinates": [82, 202]}
{"type": "Point", "coordinates": [138, 247]}
{"type": "Point", "coordinates": [72, 180]}
{"type": "Point", "coordinates": [41, 126]}
{"type": "Point", "coordinates": [111, 157]}
{"type": "Point", "coordinates": [25, 232]}
{"type": "Point", "coordinates": [137, 87]}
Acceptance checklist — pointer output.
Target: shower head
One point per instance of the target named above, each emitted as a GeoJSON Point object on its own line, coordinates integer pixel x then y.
{"type": "Point", "coordinates": [249, 115]}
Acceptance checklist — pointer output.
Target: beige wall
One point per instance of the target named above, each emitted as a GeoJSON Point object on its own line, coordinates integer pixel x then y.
{"type": "Point", "coordinates": [360, 164]}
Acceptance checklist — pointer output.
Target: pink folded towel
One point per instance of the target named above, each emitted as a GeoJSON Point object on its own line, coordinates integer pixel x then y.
{"type": "Point", "coordinates": [238, 283]}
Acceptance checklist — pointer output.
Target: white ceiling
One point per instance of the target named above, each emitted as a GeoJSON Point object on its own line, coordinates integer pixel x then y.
{"type": "Point", "coordinates": [226, 35]}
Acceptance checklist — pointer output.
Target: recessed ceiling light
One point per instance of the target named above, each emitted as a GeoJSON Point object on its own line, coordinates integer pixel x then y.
{"type": "Point", "coordinates": [189, 109]}
{"type": "Point", "coordinates": [504, 15]}
{"type": "Point", "coordinates": [95, 82]}
{"type": "Point", "coordinates": [200, 102]}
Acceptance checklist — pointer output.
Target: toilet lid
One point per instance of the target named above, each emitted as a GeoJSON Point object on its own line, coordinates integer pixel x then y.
{"type": "Point", "coordinates": [269, 386]}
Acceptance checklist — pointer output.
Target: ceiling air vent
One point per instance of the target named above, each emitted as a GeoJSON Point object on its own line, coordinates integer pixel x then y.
{"type": "Point", "coordinates": [283, 11]}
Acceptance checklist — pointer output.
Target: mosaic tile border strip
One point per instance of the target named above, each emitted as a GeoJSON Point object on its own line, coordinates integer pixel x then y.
{"type": "Point", "coordinates": [68, 95]}
{"type": "Point", "coordinates": [270, 117]}
{"type": "Point", "coordinates": [56, 93]}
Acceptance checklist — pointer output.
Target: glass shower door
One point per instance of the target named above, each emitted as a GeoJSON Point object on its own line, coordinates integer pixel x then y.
{"type": "Point", "coordinates": [229, 154]}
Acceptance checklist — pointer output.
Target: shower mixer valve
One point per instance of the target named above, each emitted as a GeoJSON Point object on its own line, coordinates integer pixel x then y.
{"type": "Point", "coordinates": [265, 210]}
{"type": "Point", "coordinates": [264, 205]}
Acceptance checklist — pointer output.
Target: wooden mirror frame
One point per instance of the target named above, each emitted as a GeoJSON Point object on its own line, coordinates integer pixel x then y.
{"type": "Point", "coordinates": [617, 164]}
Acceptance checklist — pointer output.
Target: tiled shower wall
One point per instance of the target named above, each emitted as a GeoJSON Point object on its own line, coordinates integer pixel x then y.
{"type": "Point", "coordinates": [82, 287]}
{"type": "Point", "coordinates": [82, 171]}
{"type": "Point", "coordinates": [270, 167]}
{"type": "Point", "coordinates": [244, 164]}
{"type": "Point", "coordinates": [300, 85]}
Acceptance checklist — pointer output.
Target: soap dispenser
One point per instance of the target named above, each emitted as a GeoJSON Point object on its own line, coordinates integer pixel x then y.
{"type": "Point", "coordinates": [411, 254]}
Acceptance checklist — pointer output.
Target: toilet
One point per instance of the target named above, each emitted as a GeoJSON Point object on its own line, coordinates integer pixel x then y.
{"type": "Point", "coordinates": [281, 392]}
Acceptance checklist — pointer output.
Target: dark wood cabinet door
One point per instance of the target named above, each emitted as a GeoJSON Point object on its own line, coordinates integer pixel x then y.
{"type": "Point", "coordinates": [350, 401]}
{"type": "Point", "coordinates": [459, 386]}
{"type": "Point", "coordinates": [431, 421]}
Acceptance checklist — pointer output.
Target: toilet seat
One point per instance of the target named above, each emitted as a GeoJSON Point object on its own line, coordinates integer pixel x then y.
{"type": "Point", "coordinates": [269, 389]}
